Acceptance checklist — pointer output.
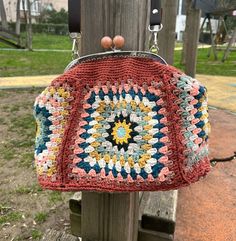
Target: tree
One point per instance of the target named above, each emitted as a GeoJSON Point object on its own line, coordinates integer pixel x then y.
{"type": "Point", "coordinates": [18, 17]}
{"type": "Point", "coordinates": [191, 37]}
{"type": "Point", "coordinates": [53, 16]}
{"type": "Point", "coordinates": [29, 26]}
{"type": "Point", "coordinates": [3, 15]}
{"type": "Point", "coordinates": [226, 4]}
{"type": "Point", "coordinates": [28, 21]}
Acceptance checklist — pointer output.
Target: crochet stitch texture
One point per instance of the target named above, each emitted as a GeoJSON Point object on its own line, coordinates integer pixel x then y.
{"type": "Point", "coordinates": [121, 124]}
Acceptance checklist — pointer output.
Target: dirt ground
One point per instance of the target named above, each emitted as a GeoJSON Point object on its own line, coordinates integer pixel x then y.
{"type": "Point", "coordinates": [25, 210]}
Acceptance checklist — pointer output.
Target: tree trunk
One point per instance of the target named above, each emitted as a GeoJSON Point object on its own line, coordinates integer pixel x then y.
{"type": "Point", "coordinates": [18, 17]}
{"type": "Point", "coordinates": [18, 20]}
{"type": "Point", "coordinates": [183, 60]}
{"type": "Point", "coordinates": [105, 216]}
{"type": "Point", "coordinates": [3, 15]}
{"type": "Point", "coordinates": [183, 54]}
{"type": "Point", "coordinates": [29, 25]}
{"type": "Point", "coordinates": [191, 38]}
{"type": "Point", "coordinates": [167, 36]}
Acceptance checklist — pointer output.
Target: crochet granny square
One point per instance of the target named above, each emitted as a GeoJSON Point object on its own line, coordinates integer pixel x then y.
{"type": "Point", "coordinates": [121, 124]}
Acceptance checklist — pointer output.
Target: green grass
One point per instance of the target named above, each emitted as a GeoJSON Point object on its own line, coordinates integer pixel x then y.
{"type": "Point", "coordinates": [35, 188]}
{"type": "Point", "coordinates": [11, 216]}
{"type": "Point", "coordinates": [24, 143]}
{"type": "Point", "coordinates": [47, 41]}
{"type": "Point", "coordinates": [2, 121]}
{"type": "Point", "coordinates": [8, 154]}
{"type": "Point", "coordinates": [41, 217]}
{"type": "Point", "coordinates": [209, 66]}
{"type": "Point", "coordinates": [55, 197]}
{"type": "Point", "coordinates": [23, 190]}
{"type": "Point", "coordinates": [178, 44]}
{"type": "Point", "coordinates": [17, 192]}
{"type": "Point", "coordinates": [26, 159]}
{"type": "Point", "coordinates": [2, 94]}
{"type": "Point", "coordinates": [36, 234]}
{"type": "Point", "coordinates": [21, 146]}
{"type": "Point", "coordinates": [22, 123]}
{"type": "Point", "coordinates": [25, 63]}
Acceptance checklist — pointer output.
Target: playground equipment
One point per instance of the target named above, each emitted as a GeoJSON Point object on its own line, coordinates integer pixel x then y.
{"type": "Point", "coordinates": [213, 9]}
{"type": "Point", "coordinates": [10, 38]}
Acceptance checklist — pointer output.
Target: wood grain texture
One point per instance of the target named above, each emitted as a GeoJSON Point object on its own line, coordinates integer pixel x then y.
{"type": "Point", "coordinates": [54, 235]}
{"type": "Point", "coordinates": [114, 17]}
{"type": "Point", "coordinates": [112, 217]}
{"type": "Point", "coordinates": [75, 214]}
{"type": "Point", "coordinates": [192, 36]}
{"type": "Point", "coordinates": [149, 235]}
{"type": "Point", "coordinates": [166, 37]}
{"type": "Point", "coordinates": [158, 211]}
{"type": "Point", "coordinates": [75, 203]}
{"type": "Point", "coordinates": [109, 217]}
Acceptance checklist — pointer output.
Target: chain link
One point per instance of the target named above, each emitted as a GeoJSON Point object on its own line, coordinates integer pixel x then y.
{"type": "Point", "coordinates": [75, 45]}
{"type": "Point", "coordinates": [154, 31]}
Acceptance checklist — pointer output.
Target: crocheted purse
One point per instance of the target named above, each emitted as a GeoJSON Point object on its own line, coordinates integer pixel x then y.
{"type": "Point", "coordinates": [121, 122]}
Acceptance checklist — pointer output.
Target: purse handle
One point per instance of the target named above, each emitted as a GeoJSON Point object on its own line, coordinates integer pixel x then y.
{"type": "Point", "coordinates": [74, 12]}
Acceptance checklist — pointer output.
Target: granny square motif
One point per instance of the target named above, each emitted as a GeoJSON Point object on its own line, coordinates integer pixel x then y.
{"type": "Point", "coordinates": [121, 124]}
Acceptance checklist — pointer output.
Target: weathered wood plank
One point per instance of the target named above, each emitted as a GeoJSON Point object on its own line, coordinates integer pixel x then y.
{"type": "Point", "coordinates": [75, 224]}
{"type": "Point", "coordinates": [112, 17]}
{"type": "Point", "coordinates": [148, 235]}
{"type": "Point", "coordinates": [9, 36]}
{"type": "Point", "coordinates": [112, 217]}
{"type": "Point", "coordinates": [53, 235]}
{"type": "Point", "coordinates": [167, 36]}
{"type": "Point", "coordinates": [159, 211]}
{"type": "Point", "coordinates": [109, 216]}
{"type": "Point", "coordinates": [163, 209]}
{"type": "Point", "coordinates": [192, 37]}
{"type": "Point", "coordinates": [75, 203]}
{"type": "Point", "coordinates": [9, 32]}
{"type": "Point", "coordinates": [75, 214]}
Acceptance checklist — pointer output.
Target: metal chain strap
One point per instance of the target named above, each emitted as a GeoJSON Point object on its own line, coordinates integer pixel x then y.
{"type": "Point", "coordinates": [154, 31]}
{"type": "Point", "coordinates": [75, 45]}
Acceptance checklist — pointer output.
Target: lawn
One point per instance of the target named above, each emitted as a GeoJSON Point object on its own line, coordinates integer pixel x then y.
{"type": "Point", "coordinates": [23, 63]}
{"type": "Point", "coordinates": [27, 63]}
{"type": "Point", "coordinates": [26, 211]}
{"type": "Point", "coordinates": [47, 41]}
{"type": "Point", "coordinates": [209, 66]}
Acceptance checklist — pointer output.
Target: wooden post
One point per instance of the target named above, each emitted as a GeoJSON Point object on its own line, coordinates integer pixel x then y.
{"type": "Point", "coordinates": [167, 36]}
{"type": "Point", "coordinates": [192, 37]}
{"type": "Point", "coordinates": [111, 17]}
{"type": "Point", "coordinates": [112, 217]}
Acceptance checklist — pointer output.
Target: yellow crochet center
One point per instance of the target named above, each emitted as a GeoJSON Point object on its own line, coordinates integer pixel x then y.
{"type": "Point", "coordinates": [121, 132]}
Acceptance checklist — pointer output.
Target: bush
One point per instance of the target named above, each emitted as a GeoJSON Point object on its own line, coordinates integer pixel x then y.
{"type": "Point", "coordinates": [58, 29]}
{"type": "Point", "coordinates": [52, 16]}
